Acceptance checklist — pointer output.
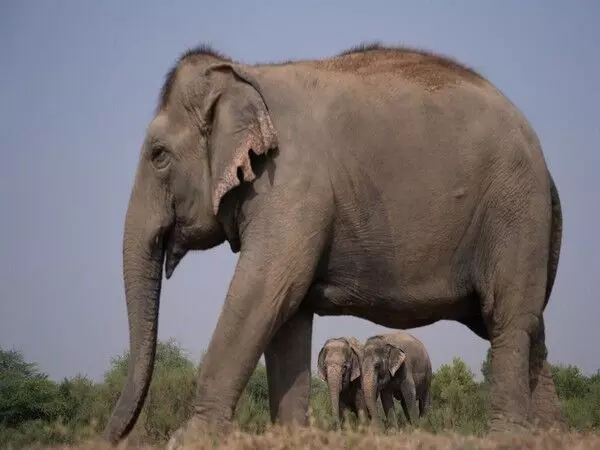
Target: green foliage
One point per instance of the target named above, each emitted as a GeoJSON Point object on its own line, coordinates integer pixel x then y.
{"type": "Point", "coordinates": [12, 363]}
{"type": "Point", "coordinates": [320, 404]}
{"type": "Point", "coordinates": [81, 400]}
{"type": "Point", "coordinates": [458, 401]}
{"type": "Point", "coordinates": [579, 395]}
{"type": "Point", "coordinates": [252, 412]}
{"type": "Point", "coordinates": [25, 393]}
{"type": "Point", "coordinates": [570, 382]}
{"type": "Point", "coordinates": [486, 368]}
{"type": "Point", "coordinates": [35, 409]}
{"type": "Point", "coordinates": [170, 396]}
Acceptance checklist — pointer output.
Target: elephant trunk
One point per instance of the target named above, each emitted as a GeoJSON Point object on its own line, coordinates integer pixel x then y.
{"type": "Point", "coordinates": [369, 387]}
{"type": "Point", "coordinates": [143, 255]}
{"type": "Point", "coordinates": [334, 382]}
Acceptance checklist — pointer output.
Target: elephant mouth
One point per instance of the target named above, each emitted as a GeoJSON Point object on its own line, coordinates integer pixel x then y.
{"type": "Point", "coordinates": [183, 236]}
{"type": "Point", "coordinates": [175, 250]}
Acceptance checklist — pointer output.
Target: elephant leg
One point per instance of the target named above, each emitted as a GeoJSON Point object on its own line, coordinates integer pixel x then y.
{"type": "Point", "coordinates": [512, 287]}
{"type": "Point", "coordinates": [510, 395]}
{"type": "Point", "coordinates": [545, 405]}
{"type": "Point", "coordinates": [361, 409]}
{"type": "Point", "coordinates": [345, 413]}
{"type": "Point", "coordinates": [404, 407]}
{"type": "Point", "coordinates": [265, 292]}
{"type": "Point", "coordinates": [424, 403]}
{"type": "Point", "coordinates": [288, 358]}
{"type": "Point", "coordinates": [409, 399]}
{"type": "Point", "coordinates": [476, 325]}
{"type": "Point", "coordinates": [387, 401]}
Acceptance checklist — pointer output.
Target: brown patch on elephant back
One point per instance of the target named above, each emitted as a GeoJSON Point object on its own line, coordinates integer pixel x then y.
{"type": "Point", "coordinates": [430, 70]}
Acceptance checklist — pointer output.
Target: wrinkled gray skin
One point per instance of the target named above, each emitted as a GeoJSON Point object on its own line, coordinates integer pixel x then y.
{"type": "Point", "coordinates": [390, 185]}
{"type": "Point", "coordinates": [338, 364]}
{"type": "Point", "coordinates": [396, 365]}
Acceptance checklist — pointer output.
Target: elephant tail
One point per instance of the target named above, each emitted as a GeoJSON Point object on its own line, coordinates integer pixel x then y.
{"type": "Point", "coordinates": [555, 239]}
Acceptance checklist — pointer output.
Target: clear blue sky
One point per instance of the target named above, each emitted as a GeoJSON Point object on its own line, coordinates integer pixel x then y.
{"type": "Point", "coordinates": [78, 85]}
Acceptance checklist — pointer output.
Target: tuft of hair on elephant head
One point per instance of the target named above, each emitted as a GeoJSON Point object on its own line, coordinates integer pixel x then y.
{"type": "Point", "coordinates": [339, 364]}
{"type": "Point", "coordinates": [396, 365]}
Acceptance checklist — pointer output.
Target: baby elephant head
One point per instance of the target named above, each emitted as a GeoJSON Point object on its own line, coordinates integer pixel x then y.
{"type": "Point", "coordinates": [339, 362]}
{"type": "Point", "coordinates": [339, 365]}
{"type": "Point", "coordinates": [381, 362]}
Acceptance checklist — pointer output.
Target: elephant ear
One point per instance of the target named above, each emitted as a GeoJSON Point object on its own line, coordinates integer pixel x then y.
{"type": "Point", "coordinates": [355, 345]}
{"type": "Point", "coordinates": [321, 365]}
{"type": "Point", "coordinates": [357, 357]}
{"type": "Point", "coordinates": [355, 373]}
{"type": "Point", "coordinates": [396, 359]}
{"type": "Point", "coordinates": [240, 124]}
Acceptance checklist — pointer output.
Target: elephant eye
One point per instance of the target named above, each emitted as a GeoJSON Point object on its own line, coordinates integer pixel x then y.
{"type": "Point", "coordinates": [160, 157]}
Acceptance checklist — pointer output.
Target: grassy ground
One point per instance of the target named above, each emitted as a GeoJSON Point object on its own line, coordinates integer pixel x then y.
{"type": "Point", "coordinates": [314, 438]}
{"type": "Point", "coordinates": [71, 413]}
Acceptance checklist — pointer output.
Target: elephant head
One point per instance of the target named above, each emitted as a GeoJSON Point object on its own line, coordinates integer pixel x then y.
{"type": "Point", "coordinates": [381, 361]}
{"type": "Point", "coordinates": [339, 365]}
{"type": "Point", "coordinates": [197, 149]}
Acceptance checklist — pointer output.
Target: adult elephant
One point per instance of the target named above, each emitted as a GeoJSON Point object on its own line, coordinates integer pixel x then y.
{"type": "Point", "coordinates": [385, 183]}
{"type": "Point", "coordinates": [339, 364]}
{"type": "Point", "coordinates": [396, 365]}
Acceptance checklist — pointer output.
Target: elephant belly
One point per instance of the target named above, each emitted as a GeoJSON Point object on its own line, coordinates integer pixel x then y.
{"type": "Point", "coordinates": [392, 311]}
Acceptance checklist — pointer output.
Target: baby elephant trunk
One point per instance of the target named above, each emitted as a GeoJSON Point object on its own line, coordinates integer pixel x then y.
{"type": "Point", "coordinates": [334, 382]}
{"type": "Point", "coordinates": [370, 386]}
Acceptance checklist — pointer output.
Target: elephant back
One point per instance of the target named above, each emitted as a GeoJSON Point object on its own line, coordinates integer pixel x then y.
{"type": "Point", "coordinates": [413, 347]}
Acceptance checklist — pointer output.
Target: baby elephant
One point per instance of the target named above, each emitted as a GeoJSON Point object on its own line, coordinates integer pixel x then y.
{"type": "Point", "coordinates": [396, 365]}
{"type": "Point", "coordinates": [339, 365]}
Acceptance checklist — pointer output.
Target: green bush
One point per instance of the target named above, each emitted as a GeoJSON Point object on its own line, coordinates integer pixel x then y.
{"type": "Point", "coordinates": [458, 402]}
{"type": "Point", "coordinates": [580, 397]}
{"type": "Point", "coordinates": [570, 382]}
{"type": "Point", "coordinates": [25, 393]}
{"type": "Point", "coordinates": [169, 400]}
{"type": "Point", "coordinates": [252, 412]}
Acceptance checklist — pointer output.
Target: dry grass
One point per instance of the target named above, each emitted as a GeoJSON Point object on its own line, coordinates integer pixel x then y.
{"type": "Point", "coordinates": [313, 438]}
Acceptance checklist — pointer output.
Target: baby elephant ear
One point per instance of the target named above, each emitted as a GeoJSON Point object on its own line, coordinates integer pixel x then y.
{"type": "Point", "coordinates": [356, 349]}
{"type": "Point", "coordinates": [321, 365]}
{"type": "Point", "coordinates": [241, 124]}
{"type": "Point", "coordinates": [355, 367]}
{"type": "Point", "coordinates": [397, 358]}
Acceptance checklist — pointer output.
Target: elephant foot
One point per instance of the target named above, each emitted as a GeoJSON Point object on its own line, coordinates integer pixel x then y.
{"type": "Point", "coordinates": [378, 426]}
{"type": "Point", "coordinates": [545, 424]}
{"type": "Point", "coordinates": [195, 429]}
{"type": "Point", "coordinates": [393, 424]}
{"type": "Point", "coordinates": [545, 405]}
{"type": "Point", "coordinates": [363, 418]}
{"type": "Point", "coordinates": [501, 425]}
